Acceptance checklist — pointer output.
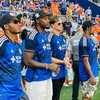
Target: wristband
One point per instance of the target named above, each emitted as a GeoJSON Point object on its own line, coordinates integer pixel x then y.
{"type": "Point", "coordinates": [46, 66]}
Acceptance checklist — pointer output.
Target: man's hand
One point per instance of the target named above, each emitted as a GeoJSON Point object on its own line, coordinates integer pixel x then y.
{"type": "Point", "coordinates": [54, 67]}
{"type": "Point", "coordinates": [92, 80]}
{"type": "Point", "coordinates": [67, 62]}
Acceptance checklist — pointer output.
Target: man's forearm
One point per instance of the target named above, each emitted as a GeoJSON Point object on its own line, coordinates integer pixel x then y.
{"type": "Point", "coordinates": [57, 61]}
{"type": "Point", "coordinates": [53, 67]}
{"type": "Point", "coordinates": [35, 64]}
{"type": "Point", "coordinates": [88, 68]}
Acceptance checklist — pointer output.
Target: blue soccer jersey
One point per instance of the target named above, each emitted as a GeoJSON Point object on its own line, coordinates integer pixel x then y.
{"type": "Point", "coordinates": [10, 69]}
{"type": "Point", "coordinates": [87, 47]}
{"type": "Point", "coordinates": [59, 47]}
{"type": "Point", "coordinates": [40, 45]}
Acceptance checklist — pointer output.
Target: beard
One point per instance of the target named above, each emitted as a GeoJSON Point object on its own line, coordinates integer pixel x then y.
{"type": "Point", "coordinates": [16, 33]}
{"type": "Point", "coordinates": [45, 27]}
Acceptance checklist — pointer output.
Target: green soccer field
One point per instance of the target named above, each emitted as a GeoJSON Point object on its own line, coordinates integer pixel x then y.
{"type": "Point", "coordinates": [66, 93]}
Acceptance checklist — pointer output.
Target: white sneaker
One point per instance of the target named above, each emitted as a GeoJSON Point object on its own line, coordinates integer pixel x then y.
{"type": "Point", "coordinates": [65, 84]}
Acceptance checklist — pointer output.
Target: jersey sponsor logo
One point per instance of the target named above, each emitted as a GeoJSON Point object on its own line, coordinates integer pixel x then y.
{"type": "Point", "coordinates": [46, 46]}
{"type": "Point", "coordinates": [62, 47]}
{"type": "Point", "coordinates": [16, 59]}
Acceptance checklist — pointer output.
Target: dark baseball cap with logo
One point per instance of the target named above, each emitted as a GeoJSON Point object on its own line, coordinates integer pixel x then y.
{"type": "Point", "coordinates": [6, 19]}
{"type": "Point", "coordinates": [40, 14]}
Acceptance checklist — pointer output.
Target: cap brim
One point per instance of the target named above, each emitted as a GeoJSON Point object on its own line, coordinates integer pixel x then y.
{"type": "Point", "coordinates": [4, 20]}
{"type": "Point", "coordinates": [44, 15]}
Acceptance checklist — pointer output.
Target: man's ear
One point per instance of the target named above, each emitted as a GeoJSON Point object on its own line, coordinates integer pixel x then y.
{"type": "Point", "coordinates": [52, 25]}
{"type": "Point", "coordinates": [6, 26]}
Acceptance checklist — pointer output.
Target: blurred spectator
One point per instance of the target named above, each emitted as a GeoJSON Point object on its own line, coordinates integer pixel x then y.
{"type": "Point", "coordinates": [88, 13]}
{"type": "Point", "coordinates": [75, 58]}
{"type": "Point", "coordinates": [63, 8]}
{"type": "Point", "coordinates": [67, 27]}
{"type": "Point", "coordinates": [74, 25]}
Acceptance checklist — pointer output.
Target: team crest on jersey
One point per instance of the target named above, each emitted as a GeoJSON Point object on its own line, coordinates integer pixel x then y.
{"type": "Point", "coordinates": [42, 40]}
{"type": "Point", "coordinates": [12, 51]}
{"type": "Point", "coordinates": [58, 42]}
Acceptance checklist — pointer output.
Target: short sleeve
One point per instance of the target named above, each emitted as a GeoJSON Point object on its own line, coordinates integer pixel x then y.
{"type": "Point", "coordinates": [29, 45]}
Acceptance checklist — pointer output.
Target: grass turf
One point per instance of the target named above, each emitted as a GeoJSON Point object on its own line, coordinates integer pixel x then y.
{"type": "Point", "coordinates": [66, 93]}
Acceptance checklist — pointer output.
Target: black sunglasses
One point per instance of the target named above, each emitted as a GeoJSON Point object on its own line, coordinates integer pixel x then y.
{"type": "Point", "coordinates": [16, 21]}
{"type": "Point", "coordinates": [59, 23]}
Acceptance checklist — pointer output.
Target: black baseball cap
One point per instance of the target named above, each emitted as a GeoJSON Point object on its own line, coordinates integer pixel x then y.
{"type": "Point", "coordinates": [6, 19]}
{"type": "Point", "coordinates": [87, 24]}
{"type": "Point", "coordinates": [40, 14]}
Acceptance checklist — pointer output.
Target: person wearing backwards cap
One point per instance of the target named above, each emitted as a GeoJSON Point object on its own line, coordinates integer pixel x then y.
{"type": "Point", "coordinates": [10, 60]}
{"type": "Point", "coordinates": [38, 60]}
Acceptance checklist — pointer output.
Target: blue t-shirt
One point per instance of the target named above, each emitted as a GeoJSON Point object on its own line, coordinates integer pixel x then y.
{"type": "Point", "coordinates": [59, 47]}
{"type": "Point", "coordinates": [40, 45]}
{"type": "Point", "coordinates": [87, 47]}
{"type": "Point", "coordinates": [10, 69]}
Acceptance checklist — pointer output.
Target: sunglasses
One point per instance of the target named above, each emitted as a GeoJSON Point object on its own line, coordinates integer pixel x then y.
{"type": "Point", "coordinates": [59, 24]}
{"type": "Point", "coordinates": [16, 21]}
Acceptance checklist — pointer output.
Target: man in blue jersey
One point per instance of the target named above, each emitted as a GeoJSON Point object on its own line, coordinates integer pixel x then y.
{"type": "Point", "coordinates": [10, 60]}
{"type": "Point", "coordinates": [88, 63]}
{"type": "Point", "coordinates": [38, 58]}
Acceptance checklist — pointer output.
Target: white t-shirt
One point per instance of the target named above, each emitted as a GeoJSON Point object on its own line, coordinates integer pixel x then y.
{"type": "Point", "coordinates": [74, 26]}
